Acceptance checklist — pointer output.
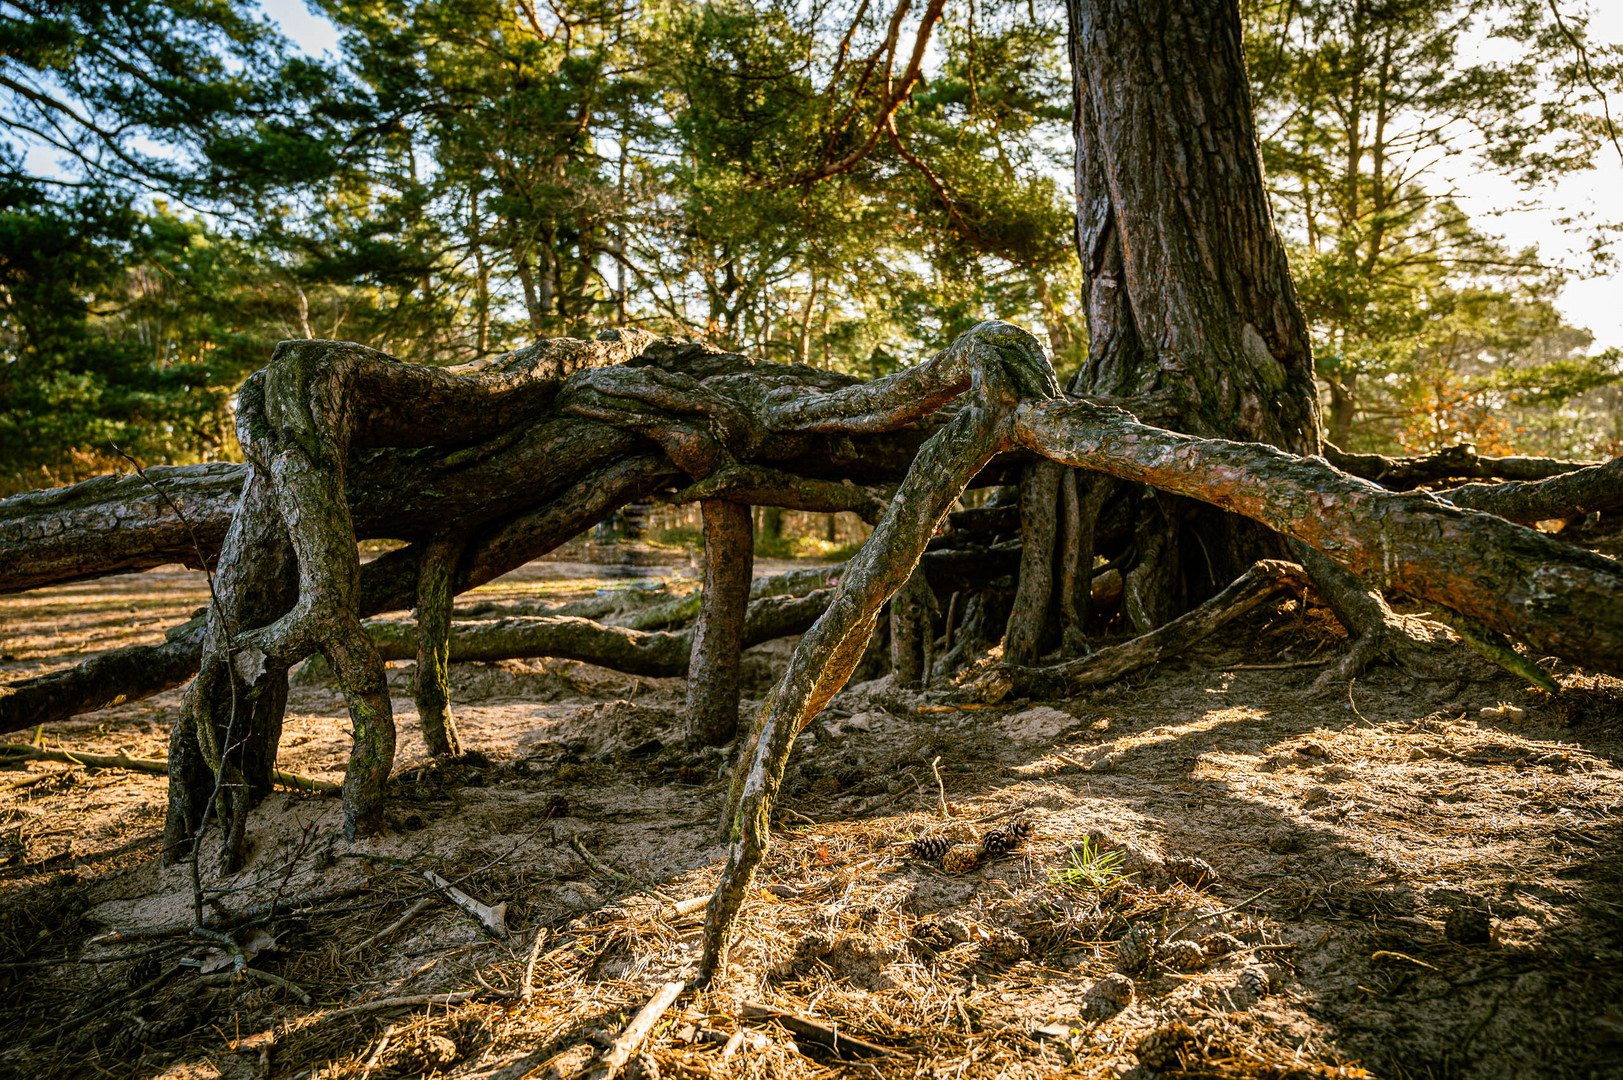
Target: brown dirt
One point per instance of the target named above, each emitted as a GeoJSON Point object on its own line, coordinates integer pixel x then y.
{"type": "Point", "coordinates": [1347, 838]}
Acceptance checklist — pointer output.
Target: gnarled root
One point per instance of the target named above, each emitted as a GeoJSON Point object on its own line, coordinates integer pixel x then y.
{"type": "Point", "coordinates": [1006, 364]}
{"type": "Point", "coordinates": [1378, 633]}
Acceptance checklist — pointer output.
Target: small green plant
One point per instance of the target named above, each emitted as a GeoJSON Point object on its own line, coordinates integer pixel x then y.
{"type": "Point", "coordinates": [1091, 868]}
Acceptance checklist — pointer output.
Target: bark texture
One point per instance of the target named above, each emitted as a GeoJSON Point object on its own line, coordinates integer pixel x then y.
{"type": "Point", "coordinates": [1515, 580]}
{"type": "Point", "coordinates": [116, 524]}
{"type": "Point", "coordinates": [1263, 581]}
{"type": "Point", "coordinates": [432, 683]}
{"type": "Point", "coordinates": [1566, 495]}
{"type": "Point", "coordinates": [729, 560]}
{"type": "Point", "coordinates": [1460, 462]}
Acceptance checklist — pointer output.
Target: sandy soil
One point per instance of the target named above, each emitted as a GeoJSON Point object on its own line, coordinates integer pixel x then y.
{"type": "Point", "coordinates": [1394, 884]}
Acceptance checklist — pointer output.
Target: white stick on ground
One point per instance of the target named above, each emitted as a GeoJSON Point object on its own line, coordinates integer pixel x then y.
{"type": "Point", "coordinates": [636, 1032]}
{"type": "Point", "coordinates": [494, 919]}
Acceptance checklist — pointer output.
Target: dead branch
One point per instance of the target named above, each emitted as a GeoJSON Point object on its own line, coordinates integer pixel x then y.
{"type": "Point", "coordinates": [641, 1026]}
{"type": "Point", "coordinates": [154, 766]}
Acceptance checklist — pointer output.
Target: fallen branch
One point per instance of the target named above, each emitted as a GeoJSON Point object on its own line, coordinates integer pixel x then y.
{"type": "Point", "coordinates": [821, 1034]}
{"type": "Point", "coordinates": [154, 766]}
{"type": "Point", "coordinates": [637, 1032]}
{"type": "Point", "coordinates": [286, 906]}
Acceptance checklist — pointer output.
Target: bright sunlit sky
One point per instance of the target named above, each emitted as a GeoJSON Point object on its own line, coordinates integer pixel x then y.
{"type": "Point", "coordinates": [1497, 205]}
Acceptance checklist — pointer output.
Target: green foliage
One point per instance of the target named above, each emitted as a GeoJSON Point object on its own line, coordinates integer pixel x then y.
{"type": "Point", "coordinates": [1091, 868]}
{"type": "Point", "coordinates": [1417, 312]}
{"type": "Point", "coordinates": [178, 192]}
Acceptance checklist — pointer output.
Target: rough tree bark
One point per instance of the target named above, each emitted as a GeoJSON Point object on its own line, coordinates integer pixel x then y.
{"type": "Point", "coordinates": [729, 559]}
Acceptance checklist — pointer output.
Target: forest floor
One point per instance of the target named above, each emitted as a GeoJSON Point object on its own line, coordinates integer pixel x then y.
{"type": "Point", "coordinates": [1408, 887]}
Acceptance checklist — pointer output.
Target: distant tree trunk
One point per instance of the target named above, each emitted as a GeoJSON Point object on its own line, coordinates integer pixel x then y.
{"type": "Point", "coordinates": [1191, 310]}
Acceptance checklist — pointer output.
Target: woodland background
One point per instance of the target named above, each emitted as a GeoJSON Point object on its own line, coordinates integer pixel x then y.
{"type": "Point", "coordinates": [179, 190]}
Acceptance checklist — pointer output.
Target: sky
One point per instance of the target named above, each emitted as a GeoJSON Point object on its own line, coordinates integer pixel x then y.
{"type": "Point", "coordinates": [1499, 206]}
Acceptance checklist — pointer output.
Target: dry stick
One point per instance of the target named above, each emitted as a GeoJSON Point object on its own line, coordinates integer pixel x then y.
{"type": "Point", "coordinates": [411, 913]}
{"type": "Point", "coordinates": [402, 1002]}
{"type": "Point", "coordinates": [687, 907]}
{"type": "Point", "coordinates": [526, 988]}
{"type": "Point", "coordinates": [226, 978]}
{"type": "Point", "coordinates": [636, 1032]}
{"type": "Point", "coordinates": [822, 1034]}
{"type": "Point", "coordinates": [592, 861]}
{"type": "Point", "coordinates": [155, 766]}
{"type": "Point", "coordinates": [383, 1044]}
{"type": "Point", "coordinates": [941, 788]}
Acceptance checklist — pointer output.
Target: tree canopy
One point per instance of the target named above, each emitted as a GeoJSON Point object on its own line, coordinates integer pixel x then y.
{"type": "Point", "coordinates": [845, 184]}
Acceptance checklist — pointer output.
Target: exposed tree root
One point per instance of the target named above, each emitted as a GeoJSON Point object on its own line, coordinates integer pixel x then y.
{"type": "Point", "coordinates": [1264, 580]}
{"type": "Point", "coordinates": [1572, 494]}
{"type": "Point", "coordinates": [1515, 580]}
{"type": "Point", "coordinates": [1415, 645]}
{"type": "Point", "coordinates": [1460, 462]}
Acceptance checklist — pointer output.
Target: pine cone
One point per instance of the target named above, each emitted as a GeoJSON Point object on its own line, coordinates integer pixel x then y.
{"type": "Point", "coordinates": [1257, 981]}
{"type": "Point", "coordinates": [1161, 1044]}
{"type": "Point", "coordinates": [1182, 955]}
{"type": "Point", "coordinates": [1006, 946]}
{"type": "Point", "coordinates": [1135, 951]}
{"type": "Point", "coordinates": [1004, 840]}
{"type": "Point", "coordinates": [961, 858]}
{"type": "Point", "coordinates": [929, 848]}
{"type": "Point", "coordinates": [1190, 870]}
{"type": "Point", "coordinates": [1220, 945]}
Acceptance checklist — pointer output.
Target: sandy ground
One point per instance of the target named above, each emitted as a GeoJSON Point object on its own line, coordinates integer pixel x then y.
{"type": "Point", "coordinates": [1394, 884]}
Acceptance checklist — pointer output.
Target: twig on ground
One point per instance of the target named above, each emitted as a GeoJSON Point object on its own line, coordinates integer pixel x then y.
{"type": "Point", "coordinates": [409, 1001]}
{"type": "Point", "coordinates": [526, 988]}
{"type": "Point", "coordinates": [226, 978]}
{"type": "Point", "coordinates": [595, 863]}
{"type": "Point", "coordinates": [935, 767]}
{"type": "Point", "coordinates": [492, 918]}
{"type": "Point", "coordinates": [410, 914]}
{"type": "Point", "coordinates": [637, 1032]}
{"type": "Point", "coordinates": [28, 781]}
{"type": "Point", "coordinates": [819, 1033]}
{"type": "Point", "coordinates": [687, 907]}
